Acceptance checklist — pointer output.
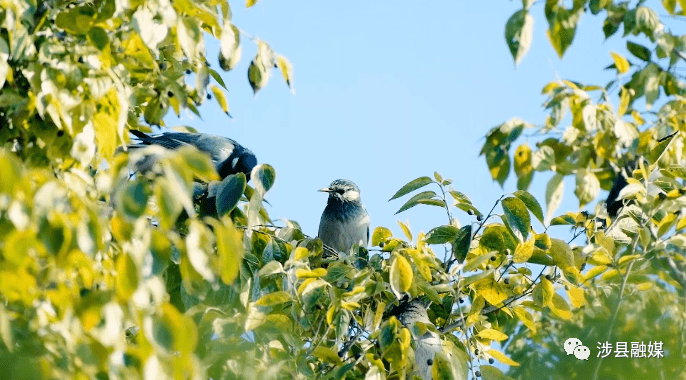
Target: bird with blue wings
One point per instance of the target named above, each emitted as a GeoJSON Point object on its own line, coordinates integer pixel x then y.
{"type": "Point", "coordinates": [425, 346]}
{"type": "Point", "coordinates": [228, 156]}
{"type": "Point", "coordinates": [344, 222]}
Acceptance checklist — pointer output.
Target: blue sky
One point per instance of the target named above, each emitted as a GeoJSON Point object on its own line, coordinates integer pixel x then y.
{"type": "Point", "coordinates": [388, 91]}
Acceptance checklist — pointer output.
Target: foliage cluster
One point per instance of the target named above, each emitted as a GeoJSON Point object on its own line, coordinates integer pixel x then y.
{"type": "Point", "coordinates": [104, 275]}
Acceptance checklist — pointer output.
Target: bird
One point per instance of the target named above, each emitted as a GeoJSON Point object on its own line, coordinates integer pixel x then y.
{"type": "Point", "coordinates": [228, 156]}
{"type": "Point", "coordinates": [426, 346]}
{"type": "Point", "coordinates": [344, 222]}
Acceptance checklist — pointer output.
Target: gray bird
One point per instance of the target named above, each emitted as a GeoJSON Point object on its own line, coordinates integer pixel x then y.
{"type": "Point", "coordinates": [228, 156]}
{"type": "Point", "coordinates": [426, 346]}
{"type": "Point", "coordinates": [344, 221]}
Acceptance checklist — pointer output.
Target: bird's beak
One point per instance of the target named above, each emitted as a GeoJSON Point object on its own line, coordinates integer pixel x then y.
{"type": "Point", "coordinates": [325, 190]}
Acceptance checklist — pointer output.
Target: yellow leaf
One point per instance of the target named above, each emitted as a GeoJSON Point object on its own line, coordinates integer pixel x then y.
{"type": "Point", "coordinates": [491, 334]}
{"type": "Point", "coordinates": [286, 71]}
{"type": "Point", "coordinates": [644, 286]}
{"type": "Point", "coordinates": [523, 251]}
{"type": "Point", "coordinates": [499, 356]}
{"type": "Point", "coordinates": [127, 277]}
{"type": "Point", "coordinates": [301, 253]}
{"type": "Point", "coordinates": [250, 3]}
{"type": "Point", "coordinates": [525, 317]}
{"type": "Point", "coordinates": [543, 293]}
{"type": "Point", "coordinates": [401, 275]}
{"type": "Point", "coordinates": [221, 99]}
{"type": "Point", "coordinates": [304, 273]}
{"type": "Point", "coordinates": [576, 295]}
{"type": "Point", "coordinates": [620, 62]}
{"type": "Point", "coordinates": [490, 290]}
{"type": "Point", "coordinates": [624, 259]}
{"type": "Point", "coordinates": [594, 272]}
{"type": "Point", "coordinates": [560, 307]}
{"type": "Point", "coordinates": [624, 98]}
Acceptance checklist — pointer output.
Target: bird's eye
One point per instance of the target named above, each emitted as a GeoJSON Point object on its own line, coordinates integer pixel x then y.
{"type": "Point", "coordinates": [340, 191]}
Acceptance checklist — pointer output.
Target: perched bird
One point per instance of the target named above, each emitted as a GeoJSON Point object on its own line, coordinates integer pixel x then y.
{"type": "Point", "coordinates": [344, 221]}
{"type": "Point", "coordinates": [426, 346]}
{"type": "Point", "coordinates": [228, 156]}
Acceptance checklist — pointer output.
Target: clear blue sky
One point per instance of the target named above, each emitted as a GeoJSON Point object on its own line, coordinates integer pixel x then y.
{"type": "Point", "coordinates": [388, 91]}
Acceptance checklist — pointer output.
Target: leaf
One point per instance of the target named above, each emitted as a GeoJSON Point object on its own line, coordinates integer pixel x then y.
{"type": "Point", "coordinates": [286, 71]}
{"type": "Point", "coordinates": [274, 298]}
{"type": "Point", "coordinates": [221, 99]}
{"type": "Point", "coordinates": [490, 290]}
{"type": "Point", "coordinates": [621, 63]}
{"type": "Point", "coordinates": [553, 194]}
{"type": "Point", "coordinates": [543, 293]}
{"type": "Point", "coordinates": [406, 230]}
{"type": "Point", "coordinates": [132, 199]}
{"type": "Point", "coordinates": [400, 275]}
{"type": "Point", "coordinates": [525, 317]}
{"type": "Point", "coordinates": [560, 307]}
{"type": "Point", "coordinates": [519, 34]}
{"type": "Point", "coordinates": [531, 203]}
{"type": "Point", "coordinates": [442, 235]}
{"type": "Point", "coordinates": [417, 199]}
{"type": "Point", "coordinates": [462, 243]}
{"type": "Point", "coordinates": [492, 239]}
{"type": "Point", "coordinates": [587, 186]}
{"type": "Point", "coordinates": [257, 77]}
{"type": "Point", "coordinates": [523, 166]}
{"type": "Point", "coordinates": [499, 356]}
{"type": "Point", "coordinates": [412, 186]}
{"type": "Point", "coordinates": [561, 26]}
{"type": "Point", "coordinates": [229, 46]}
{"type": "Point", "coordinates": [517, 217]}
{"type": "Point", "coordinates": [4, 57]}
{"type": "Point", "coordinates": [492, 335]}
{"type": "Point", "coordinates": [576, 296]}
{"type": "Point", "coordinates": [127, 277]}
{"type": "Point", "coordinates": [229, 193]}
{"type": "Point", "coordinates": [263, 176]}
{"type": "Point", "coordinates": [561, 253]}
{"type": "Point", "coordinates": [492, 373]}
{"type": "Point", "coordinates": [250, 3]}
{"type": "Point", "coordinates": [639, 51]}
{"type": "Point", "coordinates": [523, 251]}
{"type": "Point", "coordinates": [380, 235]}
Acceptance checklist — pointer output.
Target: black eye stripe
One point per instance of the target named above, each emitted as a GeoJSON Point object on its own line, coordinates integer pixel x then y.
{"type": "Point", "coordinates": [340, 191]}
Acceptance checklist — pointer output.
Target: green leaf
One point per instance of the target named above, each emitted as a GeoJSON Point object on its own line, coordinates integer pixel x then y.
{"type": "Point", "coordinates": [257, 77]}
{"type": "Point", "coordinates": [553, 194]}
{"type": "Point", "coordinates": [229, 192]}
{"type": "Point", "coordinates": [250, 3]}
{"type": "Point", "coordinates": [263, 176]}
{"type": "Point", "coordinates": [492, 239]}
{"type": "Point", "coordinates": [415, 200]}
{"type": "Point", "coordinates": [562, 26]}
{"type": "Point", "coordinates": [639, 51]}
{"type": "Point", "coordinates": [519, 34]}
{"type": "Point", "coordinates": [587, 186]}
{"type": "Point", "coordinates": [127, 277]}
{"type": "Point", "coordinates": [442, 235]}
{"type": "Point", "coordinates": [462, 243]}
{"type": "Point", "coordinates": [168, 204]}
{"type": "Point", "coordinates": [531, 203]}
{"type": "Point", "coordinates": [517, 217]}
{"type": "Point", "coordinates": [98, 37]}
{"type": "Point", "coordinates": [132, 199]}
{"type": "Point", "coordinates": [411, 186]}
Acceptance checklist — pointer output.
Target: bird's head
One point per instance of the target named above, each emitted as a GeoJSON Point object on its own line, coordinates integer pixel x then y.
{"type": "Point", "coordinates": [343, 190]}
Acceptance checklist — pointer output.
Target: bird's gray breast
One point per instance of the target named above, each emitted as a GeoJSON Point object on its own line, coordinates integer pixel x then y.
{"type": "Point", "coordinates": [341, 229]}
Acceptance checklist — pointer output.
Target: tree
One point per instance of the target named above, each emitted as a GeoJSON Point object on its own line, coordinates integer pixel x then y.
{"type": "Point", "coordinates": [111, 276]}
